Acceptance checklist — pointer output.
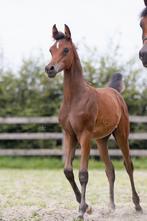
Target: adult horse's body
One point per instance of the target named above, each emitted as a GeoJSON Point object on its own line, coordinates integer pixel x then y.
{"type": "Point", "coordinates": [143, 25]}
{"type": "Point", "coordinates": [88, 113]}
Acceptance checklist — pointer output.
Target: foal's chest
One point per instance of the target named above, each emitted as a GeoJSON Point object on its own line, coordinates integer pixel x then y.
{"type": "Point", "coordinates": [75, 120]}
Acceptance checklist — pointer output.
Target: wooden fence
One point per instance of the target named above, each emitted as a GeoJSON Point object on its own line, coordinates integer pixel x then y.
{"type": "Point", "coordinates": [57, 136]}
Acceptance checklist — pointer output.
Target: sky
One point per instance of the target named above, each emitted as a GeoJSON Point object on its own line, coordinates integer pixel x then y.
{"type": "Point", "coordinates": [25, 26]}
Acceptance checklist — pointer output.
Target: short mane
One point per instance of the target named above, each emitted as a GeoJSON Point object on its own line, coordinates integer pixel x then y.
{"type": "Point", "coordinates": [144, 12]}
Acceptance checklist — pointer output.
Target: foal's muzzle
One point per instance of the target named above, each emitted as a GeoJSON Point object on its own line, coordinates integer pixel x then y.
{"type": "Point", "coordinates": [51, 71]}
{"type": "Point", "coordinates": [143, 55]}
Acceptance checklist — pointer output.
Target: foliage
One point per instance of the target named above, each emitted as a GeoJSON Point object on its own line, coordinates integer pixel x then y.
{"type": "Point", "coordinates": [29, 92]}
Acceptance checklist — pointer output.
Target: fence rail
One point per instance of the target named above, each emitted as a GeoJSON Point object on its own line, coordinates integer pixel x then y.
{"type": "Point", "coordinates": [28, 120]}
{"type": "Point", "coordinates": [31, 136]}
{"type": "Point", "coordinates": [57, 136]}
{"type": "Point", "coordinates": [54, 120]}
{"type": "Point", "coordinates": [59, 152]}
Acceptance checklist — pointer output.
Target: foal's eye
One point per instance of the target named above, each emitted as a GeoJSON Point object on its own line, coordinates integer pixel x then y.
{"type": "Point", "coordinates": [66, 50]}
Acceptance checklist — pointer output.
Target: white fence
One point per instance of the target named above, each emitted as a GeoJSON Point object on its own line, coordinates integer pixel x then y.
{"type": "Point", "coordinates": [56, 136]}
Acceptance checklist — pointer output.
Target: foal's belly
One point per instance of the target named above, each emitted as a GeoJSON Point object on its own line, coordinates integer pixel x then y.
{"type": "Point", "coordinates": [100, 132]}
{"type": "Point", "coordinates": [109, 113]}
{"type": "Point", "coordinates": [105, 126]}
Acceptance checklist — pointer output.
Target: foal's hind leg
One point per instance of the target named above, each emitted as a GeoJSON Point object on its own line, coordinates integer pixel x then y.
{"type": "Point", "coordinates": [103, 150]}
{"type": "Point", "coordinates": [121, 137]}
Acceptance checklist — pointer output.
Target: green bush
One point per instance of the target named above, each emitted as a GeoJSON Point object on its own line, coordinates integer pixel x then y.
{"type": "Point", "coordinates": [29, 92]}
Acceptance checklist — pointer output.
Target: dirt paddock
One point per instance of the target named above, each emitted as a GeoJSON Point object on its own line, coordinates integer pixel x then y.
{"type": "Point", "coordinates": [43, 195]}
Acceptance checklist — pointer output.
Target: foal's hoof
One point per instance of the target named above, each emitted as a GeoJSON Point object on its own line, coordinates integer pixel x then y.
{"type": "Point", "coordinates": [80, 217]}
{"type": "Point", "coordinates": [139, 209]}
{"type": "Point", "coordinates": [89, 209]}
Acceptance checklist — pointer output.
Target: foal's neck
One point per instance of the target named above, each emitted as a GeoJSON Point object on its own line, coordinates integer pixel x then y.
{"type": "Point", "coordinates": [73, 80]}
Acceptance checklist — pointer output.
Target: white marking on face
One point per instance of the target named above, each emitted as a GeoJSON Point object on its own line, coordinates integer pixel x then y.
{"type": "Point", "coordinates": [57, 45]}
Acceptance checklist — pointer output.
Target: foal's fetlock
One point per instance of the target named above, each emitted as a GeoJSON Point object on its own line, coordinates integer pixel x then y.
{"type": "Point", "coordinates": [135, 198]}
{"type": "Point", "coordinates": [112, 206]}
{"type": "Point", "coordinates": [136, 201]}
{"type": "Point", "coordinates": [83, 208]}
{"type": "Point", "coordinates": [138, 208]}
{"type": "Point", "coordinates": [86, 208]}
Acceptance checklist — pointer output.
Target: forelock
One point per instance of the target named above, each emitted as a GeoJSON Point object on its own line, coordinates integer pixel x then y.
{"type": "Point", "coordinates": [144, 12]}
{"type": "Point", "coordinates": [59, 36]}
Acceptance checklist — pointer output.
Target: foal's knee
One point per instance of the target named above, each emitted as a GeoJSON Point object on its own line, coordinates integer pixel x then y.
{"type": "Point", "coordinates": [69, 174]}
{"type": "Point", "coordinates": [83, 177]}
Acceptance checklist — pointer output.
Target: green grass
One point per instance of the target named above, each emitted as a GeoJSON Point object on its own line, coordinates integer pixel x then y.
{"type": "Point", "coordinates": [55, 163]}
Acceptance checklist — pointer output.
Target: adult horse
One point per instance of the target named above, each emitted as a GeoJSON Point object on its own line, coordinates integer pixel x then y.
{"type": "Point", "coordinates": [88, 113]}
{"type": "Point", "coordinates": [143, 25]}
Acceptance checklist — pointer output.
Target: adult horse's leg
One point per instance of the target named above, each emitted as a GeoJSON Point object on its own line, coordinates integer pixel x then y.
{"type": "Point", "coordinates": [69, 149]}
{"type": "Point", "coordinates": [103, 150]}
{"type": "Point", "coordinates": [83, 172]}
{"type": "Point", "coordinates": [121, 137]}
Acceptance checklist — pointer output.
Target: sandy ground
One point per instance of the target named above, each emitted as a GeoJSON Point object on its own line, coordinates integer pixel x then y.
{"type": "Point", "coordinates": [41, 195]}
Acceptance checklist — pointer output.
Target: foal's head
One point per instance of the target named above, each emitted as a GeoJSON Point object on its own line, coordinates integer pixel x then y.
{"type": "Point", "coordinates": [143, 24]}
{"type": "Point", "coordinates": [62, 52]}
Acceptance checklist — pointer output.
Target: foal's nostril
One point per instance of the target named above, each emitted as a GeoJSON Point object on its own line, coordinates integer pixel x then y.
{"type": "Point", "coordinates": [52, 68]}
{"type": "Point", "coordinates": [49, 69]}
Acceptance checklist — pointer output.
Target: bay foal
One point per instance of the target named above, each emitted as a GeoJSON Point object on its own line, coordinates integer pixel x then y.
{"type": "Point", "coordinates": [88, 113]}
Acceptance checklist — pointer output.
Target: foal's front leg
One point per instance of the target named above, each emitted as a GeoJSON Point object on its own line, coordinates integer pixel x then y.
{"type": "Point", "coordinates": [83, 173]}
{"type": "Point", "coordinates": [69, 148]}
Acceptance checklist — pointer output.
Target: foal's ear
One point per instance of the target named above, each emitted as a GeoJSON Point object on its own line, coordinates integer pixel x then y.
{"type": "Point", "coordinates": [67, 32]}
{"type": "Point", "coordinates": [145, 2]}
{"type": "Point", "coordinates": [54, 31]}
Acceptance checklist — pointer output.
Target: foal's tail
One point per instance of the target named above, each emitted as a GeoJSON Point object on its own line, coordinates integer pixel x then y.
{"type": "Point", "coordinates": [116, 82]}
